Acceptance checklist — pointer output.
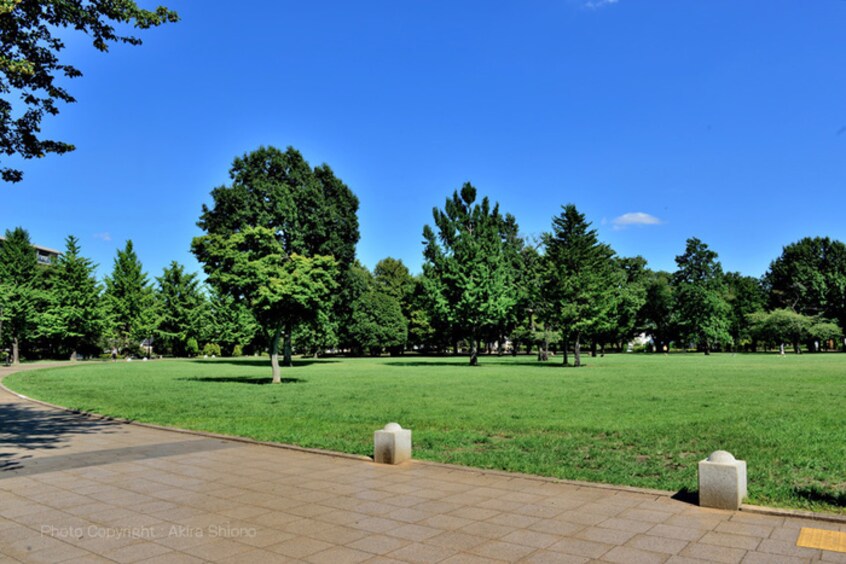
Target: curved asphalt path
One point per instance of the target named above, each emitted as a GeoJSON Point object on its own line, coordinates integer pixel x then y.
{"type": "Point", "coordinates": [79, 489]}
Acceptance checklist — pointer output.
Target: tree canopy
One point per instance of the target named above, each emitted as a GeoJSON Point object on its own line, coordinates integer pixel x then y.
{"type": "Point", "coordinates": [280, 290]}
{"type": "Point", "coordinates": [31, 70]}
{"type": "Point", "coordinates": [699, 293]}
{"type": "Point", "coordinates": [19, 290]}
{"type": "Point", "coordinates": [129, 301]}
{"type": "Point", "coordinates": [582, 282]}
{"type": "Point", "coordinates": [466, 272]}
{"type": "Point", "coordinates": [304, 218]}
{"type": "Point", "coordinates": [74, 316]}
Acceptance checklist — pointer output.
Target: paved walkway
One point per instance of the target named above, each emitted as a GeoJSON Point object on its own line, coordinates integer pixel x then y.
{"type": "Point", "coordinates": [74, 489]}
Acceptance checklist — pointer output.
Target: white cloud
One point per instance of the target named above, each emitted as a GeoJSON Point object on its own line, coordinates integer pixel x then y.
{"type": "Point", "coordinates": [596, 4]}
{"type": "Point", "coordinates": [634, 218]}
{"type": "Point", "coordinates": [104, 236]}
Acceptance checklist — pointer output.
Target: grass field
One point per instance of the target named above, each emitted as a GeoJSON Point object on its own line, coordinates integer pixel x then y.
{"type": "Point", "coordinates": [640, 420]}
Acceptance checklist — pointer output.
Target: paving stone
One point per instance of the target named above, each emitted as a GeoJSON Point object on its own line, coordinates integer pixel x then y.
{"type": "Point", "coordinates": [733, 541]}
{"type": "Point", "coordinates": [628, 555]}
{"type": "Point", "coordinates": [714, 553]}
{"type": "Point", "coordinates": [657, 544]}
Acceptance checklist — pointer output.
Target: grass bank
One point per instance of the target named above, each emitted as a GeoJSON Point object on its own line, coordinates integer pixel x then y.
{"type": "Point", "coordinates": [640, 420]}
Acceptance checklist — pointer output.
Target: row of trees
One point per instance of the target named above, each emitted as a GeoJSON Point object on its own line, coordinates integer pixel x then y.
{"type": "Point", "coordinates": [62, 310]}
{"type": "Point", "coordinates": [278, 251]}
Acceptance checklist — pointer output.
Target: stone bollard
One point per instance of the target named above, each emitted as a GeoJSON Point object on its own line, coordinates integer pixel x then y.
{"type": "Point", "coordinates": [392, 445]}
{"type": "Point", "coordinates": [722, 481]}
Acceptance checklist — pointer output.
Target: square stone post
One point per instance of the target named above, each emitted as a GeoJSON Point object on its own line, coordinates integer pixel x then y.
{"type": "Point", "coordinates": [722, 481]}
{"type": "Point", "coordinates": [392, 445]}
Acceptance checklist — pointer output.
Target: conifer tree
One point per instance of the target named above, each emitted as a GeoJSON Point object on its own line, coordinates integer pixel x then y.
{"type": "Point", "coordinates": [129, 301]}
{"type": "Point", "coordinates": [581, 280]}
{"type": "Point", "coordinates": [699, 290]}
{"type": "Point", "coordinates": [180, 305]}
{"type": "Point", "coordinates": [19, 290]}
{"type": "Point", "coordinates": [75, 317]}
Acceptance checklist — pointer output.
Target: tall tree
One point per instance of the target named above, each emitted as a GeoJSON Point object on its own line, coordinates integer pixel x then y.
{"type": "Point", "coordinates": [30, 64]}
{"type": "Point", "coordinates": [745, 296]}
{"type": "Point", "coordinates": [280, 290]}
{"type": "Point", "coordinates": [19, 289]}
{"type": "Point", "coordinates": [310, 212]}
{"type": "Point", "coordinates": [74, 317]}
{"type": "Point", "coordinates": [468, 277]}
{"type": "Point", "coordinates": [378, 323]}
{"type": "Point", "coordinates": [581, 281]}
{"type": "Point", "coordinates": [391, 277]}
{"type": "Point", "coordinates": [180, 305]}
{"type": "Point", "coordinates": [129, 301]}
{"type": "Point", "coordinates": [620, 325]}
{"type": "Point", "coordinates": [699, 292]}
{"type": "Point", "coordinates": [810, 278]}
{"type": "Point", "coordinates": [656, 315]}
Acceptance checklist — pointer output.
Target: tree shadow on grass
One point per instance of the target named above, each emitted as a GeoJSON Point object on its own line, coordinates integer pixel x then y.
{"type": "Point", "coordinates": [261, 362]}
{"type": "Point", "coordinates": [244, 380]}
{"type": "Point", "coordinates": [817, 494]}
{"type": "Point", "coordinates": [460, 362]}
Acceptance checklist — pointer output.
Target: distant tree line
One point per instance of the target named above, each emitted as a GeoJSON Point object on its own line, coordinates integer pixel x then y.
{"type": "Point", "coordinates": [278, 251]}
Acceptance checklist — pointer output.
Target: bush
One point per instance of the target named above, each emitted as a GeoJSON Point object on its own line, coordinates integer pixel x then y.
{"type": "Point", "coordinates": [211, 349]}
{"type": "Point", "coordinates": [191, 347]}
{"type": "Point", "coordinates": [238, 351]}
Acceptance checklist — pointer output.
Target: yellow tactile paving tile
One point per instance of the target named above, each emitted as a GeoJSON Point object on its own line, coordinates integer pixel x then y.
{"type": "Point", "coordinates": [834, 541]}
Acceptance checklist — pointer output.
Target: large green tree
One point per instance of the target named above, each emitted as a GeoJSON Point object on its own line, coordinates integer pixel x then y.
{"type": "Point", "coordinates": [129, 302]}
{"type": "Point", "coordinates": [19, 289]}
{"type": "Point", "coordinates": [74, 317]}
{"type": "Point", "coordinates": [31, 70]}
{"type": "Point", "coordinates": [581, 279]}
{"type": "Point", "coordinates": [280, 290]}
{"type": "Point", "coordinates": [809, 277]}
{"type": "Point", "coordinates": [309, 211]}
{"type": "Point", "coordinates": [621, 324]}
{"type": "Point", "coordinates": [378, 323]}
{"type": "Point", "coordinates": [467, 274]}
{"type": "Point", "coordinates": [745, 296]}
{"type": "Point", "coordinates": [656, 315]}
{"type": "Point", "coordinates": [181, 307]}
{"type": "Point", "coordinates": [699, 291]}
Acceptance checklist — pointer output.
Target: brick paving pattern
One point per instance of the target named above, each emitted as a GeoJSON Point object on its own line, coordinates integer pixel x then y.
{"type": "Point", "coordinates": [74, 489]}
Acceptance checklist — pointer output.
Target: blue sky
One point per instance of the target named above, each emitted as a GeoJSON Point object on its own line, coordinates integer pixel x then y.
{"type": "Point", "coordinates": [723, 120]}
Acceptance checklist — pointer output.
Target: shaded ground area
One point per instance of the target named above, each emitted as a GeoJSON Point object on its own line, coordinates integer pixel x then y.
{"type": "Point", "coordinates": [25, 428]}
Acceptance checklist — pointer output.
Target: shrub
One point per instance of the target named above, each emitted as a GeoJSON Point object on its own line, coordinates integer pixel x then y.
{"type": "Point", "coordinates": [191, 347]}
{"type": "Point", "coordinates": [211, 349]}
{"type": "Point", "coordinates": [238, 351]}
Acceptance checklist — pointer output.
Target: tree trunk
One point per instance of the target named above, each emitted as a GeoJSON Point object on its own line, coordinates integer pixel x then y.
{"type": "Point", "coordinates": [593, 349]}
{"type": "Point", "coordinates": [474, 358]}
{"type": "Point", "coordinates": [286, 351]}
{"type": "Point", "coordinates": [577, 350]}
{"type": "Point", "coordinates": [543, 350]}
{"type": "Point", "coordinates": [564, 344]}
{"type": "Point", "coordinates": [73, 356]}
{"type": "Point", "coordinates": [707, 348]}
{"type": "Point", "coordinates": [16, 359]}
{"type": "Point", "coordinates": [602, 351]}
{"type": "Point", "coordinates": [274, 355]}
{"type": "Point", "coordinates": [796, 347]}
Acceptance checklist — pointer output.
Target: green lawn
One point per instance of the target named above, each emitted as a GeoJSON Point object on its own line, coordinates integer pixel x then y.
{"type": "Point", "coordinates": [640, 420]}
